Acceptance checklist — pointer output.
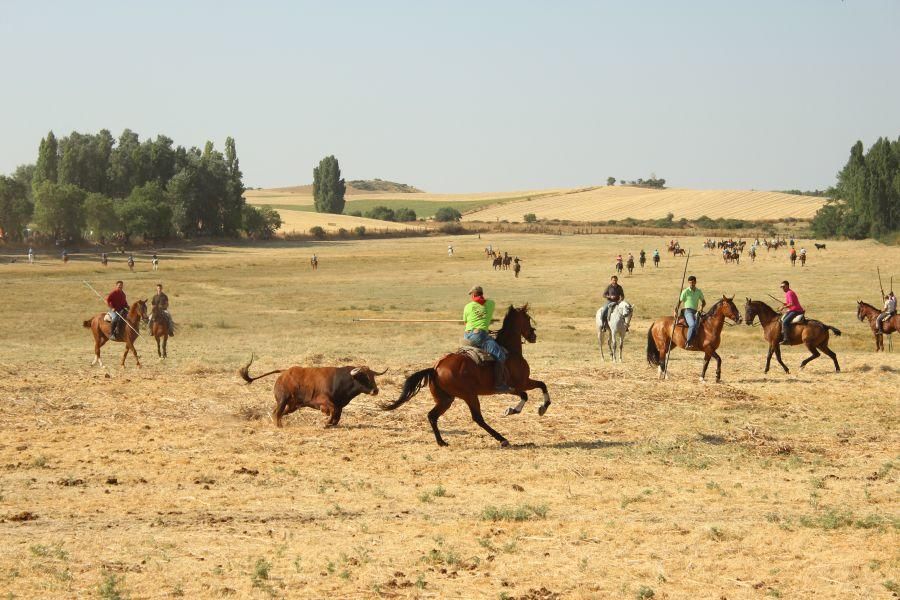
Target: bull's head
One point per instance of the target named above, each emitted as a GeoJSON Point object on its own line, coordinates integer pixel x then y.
{"type": "Point", "coordinates": [365, 378]}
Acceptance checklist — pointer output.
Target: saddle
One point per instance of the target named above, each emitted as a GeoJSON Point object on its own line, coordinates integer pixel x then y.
{"type": "Point", "coordinates": [477, 355]}
{"type": "Point", "coordinates": [798, 320]}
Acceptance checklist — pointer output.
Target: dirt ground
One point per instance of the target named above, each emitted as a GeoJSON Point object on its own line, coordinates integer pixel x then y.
{"type": "Point", "coordinates": [171, 480]}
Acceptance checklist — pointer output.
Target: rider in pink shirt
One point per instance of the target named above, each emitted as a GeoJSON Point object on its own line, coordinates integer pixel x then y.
{"type": "Point", "coordinates": [792, 309]}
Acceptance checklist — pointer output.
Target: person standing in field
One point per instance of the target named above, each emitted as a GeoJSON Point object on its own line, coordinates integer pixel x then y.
{"type": "Point", "coordinates": [155, 262]}
{"type": "Point", "coordinates": [477, 316]}
{"type": "Point", "coordinates": [449, 250]}
{"type": "Point", "coordinates": [30, 255]}
{"type": "Point", "coordinates": [694, 302]}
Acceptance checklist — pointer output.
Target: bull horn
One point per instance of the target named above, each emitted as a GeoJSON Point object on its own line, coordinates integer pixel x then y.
{"type": "Point", "coordinates": [355, 371]}
{"type": "Point", "coordinates": [382, 373]}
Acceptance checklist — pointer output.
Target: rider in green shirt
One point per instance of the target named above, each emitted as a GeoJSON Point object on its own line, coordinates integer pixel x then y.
{"type": "Point", "coordinates": [694, 302]}
{"type": "Point", "coordinates": [478, 314]}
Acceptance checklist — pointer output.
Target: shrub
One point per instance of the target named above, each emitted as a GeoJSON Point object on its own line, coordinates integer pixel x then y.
{"type": "Point", "coordinates": [381, 213]}
{"type": "Point", "coordinates": [317, 232]}
{"type": "Point", "coordinates": [405, 215]}
{"type": "Point", "coordinates": [452, 228]}
{"type": "Point", "coordinates": [355, 213]}
{"type": "Point", "coordinates": [360, 230]}
{"type": "Point", "coordinates": [446, 214]}
{"type": "Point", "coordinates": [530, 218]}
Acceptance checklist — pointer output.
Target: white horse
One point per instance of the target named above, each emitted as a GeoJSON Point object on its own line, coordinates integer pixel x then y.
{"type": "Point", "coordinates": [619, 322]}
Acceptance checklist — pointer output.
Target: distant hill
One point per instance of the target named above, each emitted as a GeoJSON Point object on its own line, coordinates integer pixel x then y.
{"type": "Point", "coordinates": [358, 186]}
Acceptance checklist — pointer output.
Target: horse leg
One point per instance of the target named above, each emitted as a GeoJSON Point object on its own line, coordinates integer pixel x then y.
{"type": "Point", "coordinates": [705, 365]}
{"type": "Point", "coordinates": [600, 343]}
{"type": "Point", "coordinates": [165, 346]}
{"type": "Point", "coordinates": [718, 358]}
{"type": "Point", "coordinates": [815, 354]}
{"type": "Point", "coordinates": [769, 357]}
{"type": "Point", "coordinates": [778, 356]}
{"type": "Point", "coordinates": [534, 383]}
{"type": "Point", "coordinates": [158, 347]}
{"type": "Point", "coordinates": [621, 347]}
{"type": "Point", "coordinates": [134, 351]}
{"type": "Point", "coordinates": [475, 409]}
{"type": "Point", "coordinates": [514, 410]}
{"type": "Point", "coordinates": [442, 401]}
{"type": "Point", "coordinates": [828, 352]}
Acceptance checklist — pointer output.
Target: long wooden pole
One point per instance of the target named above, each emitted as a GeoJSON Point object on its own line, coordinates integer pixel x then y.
{"type": "Point", "coordinates": [675, 317]}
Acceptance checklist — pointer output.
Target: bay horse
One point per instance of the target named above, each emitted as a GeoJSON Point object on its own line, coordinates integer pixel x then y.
{"type": "Point", "coordinates": [678, 252]}
{"type": "Point", "coordinates": [867, 311]}
{"type": "Point", "coordinates": [706, 340]}
{"type": "Point", "coordinates": [457, 376]}
{"type": "Point", "coordinates": [497, 262]}
{"type": "Point", "coordinates": [802, 260]}
{"type": "Point", "coordinates": [812, 333]}
{"type": "Point", "coordinates": [619, 267]}
{"type": "Point", "coordinates": [102, 331]}
{"type": "Point", "coordinates": [630, 265]}
{"type": "Point", "coordinates": [159, 328]}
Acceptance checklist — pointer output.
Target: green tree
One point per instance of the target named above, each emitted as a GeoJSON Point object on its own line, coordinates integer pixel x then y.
{"type": "Point", "coordinates": [47, 166]}
{"type": "Point", "coordinates": [405, 215]}
{"type": "Point", "coordinates": [260, 222]}
{"type": "Point", "coordinates": [145, 213]}
{"type": "Point", "coordinates": [530, 218]}
{"type": "Point", "coordinates": [58, 209]}
{"type": "Point", "coordinates": [610, 181]}
{"type": "Point", "coordinates": [84, 160]}
{"type": "Point", "coordinates": [328, 187]}
{"type": "Point", "coordinates": [100, 215]}
{"type": "Point", "coordinates": [15, 208]}
{"type": "Point", "coordinates": [446, 214]}
{"type": "Point", "coordinates": [234, 190]}
{"type": "Point", "coordinates": [381, 213]}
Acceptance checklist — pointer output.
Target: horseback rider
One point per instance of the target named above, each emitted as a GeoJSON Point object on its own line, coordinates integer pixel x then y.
{"type": "Point", "coordinates": [792, 309]}
{"type": "Point", "coordinates": [643, 256]}
{"type": "Point", "coordinates": [161, 301]}
{"type": "Point", "coordinates": [890, 309]}
{"type": "Point", "coordinates": [619, 264]}
{"type": "Point", "coordinates": [477, 315]}
{"type": "Point", "coordinates": [694, 302]}
{"type": "Point", "coordinates": [613, 294]}
{"type": "Point", "coordinates": [118, 306]}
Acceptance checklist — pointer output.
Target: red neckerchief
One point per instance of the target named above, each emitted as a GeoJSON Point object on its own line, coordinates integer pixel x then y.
{"type": "Point", "coordinates": [479, 299]}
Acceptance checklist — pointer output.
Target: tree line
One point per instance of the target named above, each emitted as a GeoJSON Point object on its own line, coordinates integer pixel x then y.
{"type": "Point", "coordinates": [94, 186]}
{"type": "Point", "coordinates": [865, 202]}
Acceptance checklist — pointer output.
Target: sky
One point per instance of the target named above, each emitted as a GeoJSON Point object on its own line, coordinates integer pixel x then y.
{"type": "Point", "coordinates": [467, 96]}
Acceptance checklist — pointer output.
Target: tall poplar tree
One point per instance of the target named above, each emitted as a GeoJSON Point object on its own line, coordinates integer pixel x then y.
{"type": "Point", "coordinates": [47, 167]}
{"type": "Point", "coordinates": [328, 187]}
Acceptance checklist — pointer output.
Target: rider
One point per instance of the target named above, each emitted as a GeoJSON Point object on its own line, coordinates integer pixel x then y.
{"type": "Point", "coordinates": [477, 315]}
{"type": "Point", "coordinates": [118, 309]}
{"type": "Point", "coordinates": [643, 255]}
{"type": "Point", "coordinates": [618, 262]}
{"type": "Point", "coordinates": [161, 300]}
{"type": "Point", "coordinates": [656, 254]}
{"type": "Point", "coordinates": [693, 300]}
{"type": "Point", "coordinates": [631, 258]}
{"type": "Point", "coordinates": [792, 309]}
{"type": "Point", "coordinates": [613, 294]}
{"type": "Point", "coordinates": [890, 309]}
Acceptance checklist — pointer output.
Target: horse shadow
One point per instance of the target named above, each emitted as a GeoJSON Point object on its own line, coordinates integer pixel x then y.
{"type": "Point", "coordinates": [575, 445]}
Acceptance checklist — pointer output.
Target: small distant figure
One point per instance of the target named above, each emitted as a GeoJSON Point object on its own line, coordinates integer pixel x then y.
{"type": "Point", "coordinates": [802, 257]}
{"type": "Point", "coordinates": [314, 262]}
{"type": "Point", "coordinates": [656, 258]}
{"type": "Point", "coordinates": [630, 263]}
{"type": "Point", "coordinates": [516, 266]}
{"type": "Point", "coordinates": [643, 258]}
{"type": "Point", "coordinates": [30, 255]}
{"type": "Point", "coordinates": [131, 262]}
{"type": "Point", "coordinates": [619, 264]}
{"type": "Point", "coordinates": [449, 250]}
{"type": "Point", "coordinates": [155, 262]}
{"type": "Point", "coordinates": [104, 259]}
{"type": "Point", "coordinates": [65, 256]}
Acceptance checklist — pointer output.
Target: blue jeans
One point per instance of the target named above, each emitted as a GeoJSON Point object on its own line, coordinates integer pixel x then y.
{"type": "Point", "coordinates": [786, 322]}
{"type": "Point", "coordinates": [690, 317]}
{"type": "Point", "coordinates": [604, 315]}
{"type": "Point", "coordinates": [483, 340]}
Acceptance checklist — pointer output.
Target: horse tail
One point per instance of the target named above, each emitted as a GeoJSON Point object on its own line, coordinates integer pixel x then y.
{"type": "Point", "coordinates": [412, 386]}
{"type": "Point", "coordinates": [652, 350]}
{"type": "Point", "coordinates": [244, 372]}
{"type": "Point", "coordinates": [87, 323]}
{"type": "Point", "coordinates": [834, 330]}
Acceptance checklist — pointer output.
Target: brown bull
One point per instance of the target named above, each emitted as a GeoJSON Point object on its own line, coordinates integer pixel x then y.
{"type": "Point", "coordinates": [328, 389]}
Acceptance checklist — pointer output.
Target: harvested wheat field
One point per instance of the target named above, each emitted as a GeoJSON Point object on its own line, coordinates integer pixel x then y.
{"type": "Point", "coordinates": [300, 221]}
{"type": "Point", "coordinates": [605, 203]}
{"type": "Point", "coordinates": [171, 480]}
{"type": "Point", "coordinates": [302, 196]}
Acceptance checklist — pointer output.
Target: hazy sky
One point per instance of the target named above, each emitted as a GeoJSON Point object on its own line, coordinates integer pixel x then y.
{"type": "Point", "coordinates": [467, 96]}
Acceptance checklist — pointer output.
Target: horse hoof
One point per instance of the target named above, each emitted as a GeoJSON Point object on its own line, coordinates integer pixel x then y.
{"type": "Point", "coordinates": [442, 443]}
{"type": "Point", "coordinates": [511, 411]}
{"type": "Point", "coordinates": [504, 443]}
{"type": "Point", "coordinates": [542, 409]}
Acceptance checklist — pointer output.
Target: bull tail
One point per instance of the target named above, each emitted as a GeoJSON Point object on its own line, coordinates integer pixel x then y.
{"type": "Point", "coordinates": [652, 350]}
{"type": "Point", "coordinates": [412, 386]}
{"type": "Point", "coordinates": [244, 372]}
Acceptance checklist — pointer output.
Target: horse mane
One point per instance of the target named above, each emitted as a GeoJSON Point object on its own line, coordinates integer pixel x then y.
{"type": "Point", "coordinates": [507, 327]}
{"type": "Point", "coordinates": [714, 307]}
{"type": "Point", "coordinates": [866, 304]}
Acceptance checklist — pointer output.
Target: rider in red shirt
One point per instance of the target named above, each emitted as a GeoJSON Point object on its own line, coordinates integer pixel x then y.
{"type": "Point", "coordinates": [118, 307]}
{"type": "Point", "coordinates": [792, 309]}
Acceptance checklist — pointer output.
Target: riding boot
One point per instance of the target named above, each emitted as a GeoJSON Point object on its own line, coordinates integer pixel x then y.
{"type": "Point", "coordinates": [500, 377]}
{"type": "Point", "coordinates": [784, 337]}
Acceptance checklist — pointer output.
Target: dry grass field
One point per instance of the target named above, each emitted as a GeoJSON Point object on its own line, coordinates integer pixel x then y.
{"type": "Point", "coordinates": [300, 221]}
{"type": "Point", "coordinates": [605, 203]}
{"type": "Point", "coordinates": [302, 195]}
{"type": "Point", "coordinates": [171, 481]}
